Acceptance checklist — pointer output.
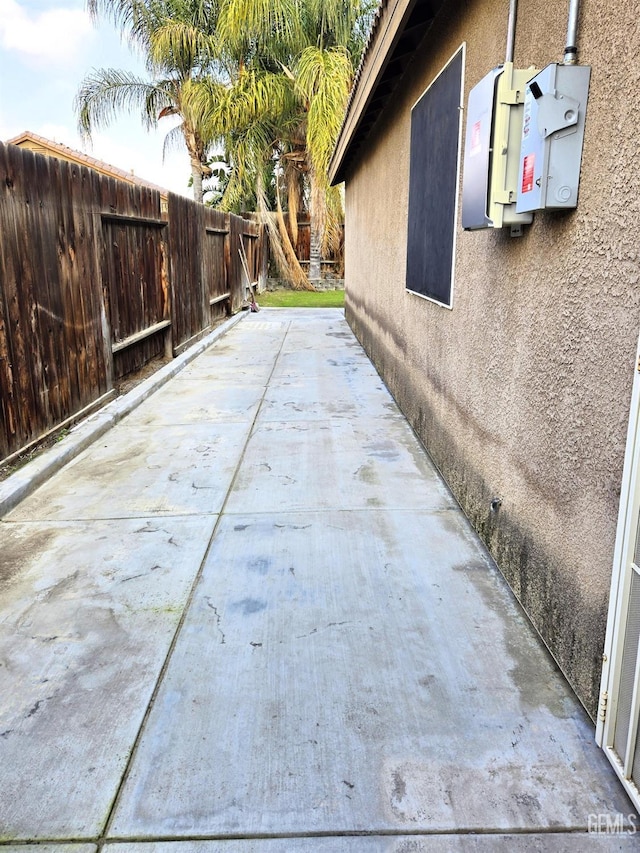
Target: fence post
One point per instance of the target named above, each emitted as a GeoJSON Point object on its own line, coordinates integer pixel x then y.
{"type": "Point", "coordinates": [168, 295]}
{"type": "Point", "coordinates": [227, 260]}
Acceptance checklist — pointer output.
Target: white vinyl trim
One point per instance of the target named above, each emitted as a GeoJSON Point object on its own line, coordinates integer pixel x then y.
{"type": "Point", "coordinates": [622, 573]}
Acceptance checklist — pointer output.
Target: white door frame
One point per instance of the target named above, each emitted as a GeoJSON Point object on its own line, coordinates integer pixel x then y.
{"type": "Point", "coordinates": [626, 537]}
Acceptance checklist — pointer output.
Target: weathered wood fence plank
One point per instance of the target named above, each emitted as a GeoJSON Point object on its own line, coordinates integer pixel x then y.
{"type": "Point", "coordinates": [186, 233]}
{"type": "Point", "coordinates": [214, 264]}
{"type": "Point", "coordinates": [52, 322]}
{"type": "Point", "coordinates": [134, 250]}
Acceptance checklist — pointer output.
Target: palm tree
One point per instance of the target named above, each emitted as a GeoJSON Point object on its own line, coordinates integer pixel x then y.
{"type": "Point", "coordinates": [177, 39]}
{"type": "Point", "coordinates": [323, 80]}
{"type": "Point", "coordinates": [333, 36]}
{"type": "Point", "coordinates": [293, 63]}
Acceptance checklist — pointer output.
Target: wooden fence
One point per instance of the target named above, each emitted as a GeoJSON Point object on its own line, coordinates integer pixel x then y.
{"type": "Point", "coordinates": [333, 263]}
{"type": "Point", "coordinates": [95, 282]}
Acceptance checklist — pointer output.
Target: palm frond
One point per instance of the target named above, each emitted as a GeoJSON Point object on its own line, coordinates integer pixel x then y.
{"type": "Point", "coordinates": [292, 180]}
{"type": "Point", "coordinates": [267, 25]}
{"type": "Point", "coordinates": [173, 141]}
{"type": "Point", "coordinates": [324, 78]}
{"type": "Point", "coordinates": [107, 92]}
{"type": "Point", "coordinates": [334, 223]}
{"type": "Point", "coordinates": [286, 257]}
{"type": "Point", "coordinates": [176, 44]}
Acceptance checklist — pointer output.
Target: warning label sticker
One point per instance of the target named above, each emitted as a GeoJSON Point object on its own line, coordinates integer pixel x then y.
{"type": "Point", "coordinates": [527, 172]}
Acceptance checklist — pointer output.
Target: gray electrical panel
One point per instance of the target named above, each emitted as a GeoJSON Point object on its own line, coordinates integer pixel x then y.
{"type": "Point", "coordinates": [555, 106]}
{"type": "Point", "coordinates": [492, 149]}
{"type": "Point", "coordinates": [477, 152]}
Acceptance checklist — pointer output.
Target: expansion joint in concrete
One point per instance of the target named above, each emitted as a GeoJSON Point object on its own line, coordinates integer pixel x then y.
{"type": "Point", "coordinates": [187, 607]}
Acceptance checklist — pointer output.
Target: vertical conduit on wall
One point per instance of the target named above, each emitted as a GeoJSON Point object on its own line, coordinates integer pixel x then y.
{"type": "Point", "coordinates": [511, 30]}
{"type": "Point", "coordinates": [571, 50]}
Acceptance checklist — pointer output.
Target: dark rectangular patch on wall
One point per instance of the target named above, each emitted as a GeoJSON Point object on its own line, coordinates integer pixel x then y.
{"type": "Point", "coordinates": [433, 183]}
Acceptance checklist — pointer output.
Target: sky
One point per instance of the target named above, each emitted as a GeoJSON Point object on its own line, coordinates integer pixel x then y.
{"type": "Point", "coordinates": [47, 47]}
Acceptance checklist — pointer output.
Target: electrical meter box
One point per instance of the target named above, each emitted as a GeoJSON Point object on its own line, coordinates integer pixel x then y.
{"type": "Point", "coordinates": [555, 106]}
{"type": "Point", "coordinates": [492, 149]}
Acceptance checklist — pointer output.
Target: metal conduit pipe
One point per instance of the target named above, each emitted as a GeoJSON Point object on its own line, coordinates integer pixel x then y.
{"type": "Point", "coordinates": [571, 50]}
{"type": "Point", "coordinates": [511, 30]}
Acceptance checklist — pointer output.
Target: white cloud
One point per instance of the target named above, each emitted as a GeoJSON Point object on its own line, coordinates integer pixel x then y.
{"type": "Point", "coordinates": [45, 46]}
{"type": "Point", "coordinates": [53, 36]}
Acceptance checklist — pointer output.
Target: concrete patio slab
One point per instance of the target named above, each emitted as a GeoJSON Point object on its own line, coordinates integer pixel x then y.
{"type": "Point", "coordinates": [137, 472]}
{"type": "Point", "coordinates": [240, 360]}
{"type": "Point", "coordinates": [199, 401]}
{"type": "Point", "coordinates": [25, 481]}
{"type": "Point", "coordinates": [298, 364]}
{"type": "Point", "coordinates": [326, 398]}
{"type": "Point", "coordinates": [88, 614]}
{"type": "Point", "coordinates": [321, 336]}
{"type": "Point", "coordinates": [238, 369]}
{"type": "Point", "coordinates": [321, 719]}
{"type": "Point", "coordinates": [271, 334]}
{"type": "Point", "coordinates": [355, 464]}
{"type": "Point", "coordinates": [252, 618]}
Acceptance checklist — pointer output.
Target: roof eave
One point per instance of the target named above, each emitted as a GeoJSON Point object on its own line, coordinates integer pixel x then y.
{"type": "Point", "coordinates": [398, 28]}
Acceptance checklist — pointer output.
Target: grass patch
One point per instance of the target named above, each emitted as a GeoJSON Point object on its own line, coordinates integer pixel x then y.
{"type": "Point", "coordinates": [301, 299]}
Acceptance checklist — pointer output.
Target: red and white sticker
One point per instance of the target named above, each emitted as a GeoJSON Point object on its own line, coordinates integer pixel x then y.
{"type": "Point", "coordinates": [476, 139]}
{"type": "Point", "coordinates": [528, 168]}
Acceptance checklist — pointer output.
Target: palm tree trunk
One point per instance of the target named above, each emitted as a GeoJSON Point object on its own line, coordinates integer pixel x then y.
{"type": "Point", "coordinates": [291, 266]}
{"type": "Point", "coordinates": [196, 177]}
{"type": "Point", "coordinates": [317, 215]}
{"type": "Point", "coordinates": [315, 254]}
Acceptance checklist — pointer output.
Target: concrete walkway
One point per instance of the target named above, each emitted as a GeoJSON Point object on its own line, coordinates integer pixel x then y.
{"type": "Point", "coordinates": [250, 618]}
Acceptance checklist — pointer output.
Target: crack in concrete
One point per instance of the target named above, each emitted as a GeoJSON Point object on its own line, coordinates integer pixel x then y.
{"type": "Point", "coordinates": [218, 619]}
{"type": "Point", "coordinates": [325, 628]}
{"type": "Point", "coordinates": [34, 709]}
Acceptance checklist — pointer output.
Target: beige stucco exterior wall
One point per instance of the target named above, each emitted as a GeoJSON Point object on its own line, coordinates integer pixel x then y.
{"type": "Point", "coordinates": [522, 390]}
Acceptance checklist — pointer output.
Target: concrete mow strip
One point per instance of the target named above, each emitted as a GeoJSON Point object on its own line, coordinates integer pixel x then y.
{"type": "Point", "coordinates": [87, 614]}
{"type": "Point", "coordinates": [527, 843]}
{"type": "Point", "coordinates": [360, 671]}
{"type": "Point", "coordinates": [48, 848]}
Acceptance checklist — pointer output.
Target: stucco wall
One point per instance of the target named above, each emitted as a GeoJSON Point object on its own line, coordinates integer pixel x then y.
{"type": "Point", "coordinates": [521, 391]}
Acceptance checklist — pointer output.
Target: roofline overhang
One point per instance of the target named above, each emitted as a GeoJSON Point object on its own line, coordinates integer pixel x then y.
{"type": "Point", "coordinates": [396, 21]}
